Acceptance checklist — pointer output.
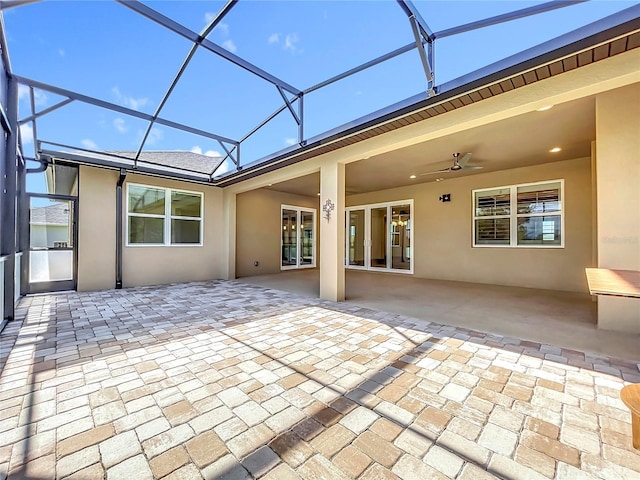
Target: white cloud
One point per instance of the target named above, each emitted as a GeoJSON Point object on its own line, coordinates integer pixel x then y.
{"type": "Point", "coordinates": [26, 131]}
{"type": "Point", "coordinates": [119, 125]}
{"type": "Point", "coordinates": [61, 52]}
{"type": "Point", "coordinates": [290, 141]}
{"type": "Point", "coordinates": [39, 96]}
{"type": "Point", "coordinates": [88, 143]}
{"type": "Point", "coordinates": [229, 45]}
{"type": "Point", "coordinates": [273, 38]}
{"type": "Point", "coordinates": [131, 102]}
{"type": "Point", "coordinates": [154, 137]}
{"type": "Point", "coordinates": [290, 42]}
{"type": "Point", "coordinates": [208, 153]}
{"type": "Point", "coordinates": [221, 27]}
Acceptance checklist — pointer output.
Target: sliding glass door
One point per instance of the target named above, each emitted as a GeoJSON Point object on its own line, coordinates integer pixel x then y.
{"type": "Point", "coordinates": [298, 240]}
{"type": "Point", "coordinates": [380, 237]}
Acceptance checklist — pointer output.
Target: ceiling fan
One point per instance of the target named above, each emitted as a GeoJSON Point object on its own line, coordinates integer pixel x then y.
{"type": "Point", "coordinates": [458, 164]}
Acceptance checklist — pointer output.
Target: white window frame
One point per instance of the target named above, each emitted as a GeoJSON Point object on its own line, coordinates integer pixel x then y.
{"type": "Point", "coordinates": [299, 211]}
{"type": "Point", "coordinates": [167, 217]}
{"type": "Point", "coordinates": [514, 215]}
{"type": "Point", "coordinates": [367, 237]}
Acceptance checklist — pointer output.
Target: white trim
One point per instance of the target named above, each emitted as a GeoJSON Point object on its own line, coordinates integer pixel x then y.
{"type": "Point", "coordinates": [167, 217]}
{"type": "Point", "coordinates": [514, 215]}
{"type": "Point", "coordinates": [299, 210]}
{"type": "Point", "coordinates": [367, 237]}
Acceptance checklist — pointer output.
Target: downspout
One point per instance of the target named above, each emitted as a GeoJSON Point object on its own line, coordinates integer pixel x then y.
{"type": "Point", "coordinates": [121, 178]}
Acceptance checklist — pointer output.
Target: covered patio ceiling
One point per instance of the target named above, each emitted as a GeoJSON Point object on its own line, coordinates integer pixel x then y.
{"type": "Point", "coordinates": [520, 141]}
{"type": "Point", "coordinates": [391, 169]}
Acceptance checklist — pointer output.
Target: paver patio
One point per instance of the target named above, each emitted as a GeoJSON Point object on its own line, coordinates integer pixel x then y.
{"type": "Point", "coordinates": [228, 380]}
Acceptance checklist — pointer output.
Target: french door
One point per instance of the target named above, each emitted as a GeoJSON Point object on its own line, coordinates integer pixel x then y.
{"type": "Point", "coordinates": [298, 240]}
{"type": "Point", "coordinates": [380, 237]}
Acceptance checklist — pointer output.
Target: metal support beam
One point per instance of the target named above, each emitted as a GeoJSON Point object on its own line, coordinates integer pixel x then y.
{"type": "Point", "coordinates": [118, 108]}
{"type": "Point", "coordinates": [183, 31]}
{"type": "Point", "coordinates": [411, 11]}
{"type": "Point", "coordinates": [119, 238]}
{"type": "Point", "coordinates": [287, 102]}
{"type": "Point", "coordinates": [34, 127]}
{"type": "Point", "coordinates": [7, 4]}
{"type": "Point", "coordinates": [505, 17]}
{"type": "Point", "coordinates": [423, 56]}
{"type": "Point", "coordinates": [301, 140]}
{"type": "Point", "coordinates": [8, 178]}
{"type": "Point", "coordinates": [422, 34]}
{"type": "Point", "coordinates": [364, 66]}
{"type": "Point", "coordinates": [206, 31]}
{"type": "Point", "coordinates": [41, 113]}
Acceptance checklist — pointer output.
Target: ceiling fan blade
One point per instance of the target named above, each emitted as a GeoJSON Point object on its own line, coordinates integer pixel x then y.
{"type": "Point", "coordinates": [464, 160]}
{"type": "Point", "coordinates": [472, 167]}
{"type": "Point", "coordinates": [446, 170]}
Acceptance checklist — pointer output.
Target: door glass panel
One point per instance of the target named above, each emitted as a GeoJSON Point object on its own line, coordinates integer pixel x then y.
{"type": "Point", "coordinates": [401, 237]}
{"type": "Point", "coordinates": [306, 238]}
{"type": "Point", "coordinates": [289, 237]}
{"type": "Point", "coordinates": [51, 240]}
{"type": "Point", "coordinates": [355, 234]}
{"type": "Point", "coordinates": [379, 237]}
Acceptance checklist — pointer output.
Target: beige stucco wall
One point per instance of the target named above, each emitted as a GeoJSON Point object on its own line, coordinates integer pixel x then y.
{"type": "Point", "coordinates": [258, 229]}
{"type": "Point", "coordinates": [443, 231]}
{"type": "Point", "coordinates": [96, 229]}
{"type": "Point", "coordinates": [141, 265]}
{"type": "Point", "coordinates": [618, 180]}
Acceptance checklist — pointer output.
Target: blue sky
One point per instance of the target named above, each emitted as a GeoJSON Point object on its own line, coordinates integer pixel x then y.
{"type": "Point", "coordinates": [105, 50]}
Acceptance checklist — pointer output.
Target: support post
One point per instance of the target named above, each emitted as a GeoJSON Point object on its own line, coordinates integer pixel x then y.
{"type": "Point", "coordinates": [332, 231]}
{"type": "Point", "coordinates": [9, 189]}
{"type": "Point", "coordinates": [229, 241]}
{"type": "Point", "coordinates": [119, 240]}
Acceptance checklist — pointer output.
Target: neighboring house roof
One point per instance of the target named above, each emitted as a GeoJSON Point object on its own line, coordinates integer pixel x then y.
{"type": "Point", "coordinates": [194, 162]}
{"type": "Point", "coordinates": [56, 214]}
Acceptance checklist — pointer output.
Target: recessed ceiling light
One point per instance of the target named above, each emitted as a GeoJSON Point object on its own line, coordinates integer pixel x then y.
{"type": "Point", "coordinates": [269, 184]}
{"type": "Point", "coordinates": [546, 107]}
{"type": "Point", "coordinates": [439, 179]}
{"type": "Point", "coordinates": [555, 150]}
{"type": "Point", "coordinates": [412, 177]}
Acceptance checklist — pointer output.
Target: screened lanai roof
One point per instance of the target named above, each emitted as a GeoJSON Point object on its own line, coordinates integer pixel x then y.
{"type": "Point", "coordinates": [251, 86]}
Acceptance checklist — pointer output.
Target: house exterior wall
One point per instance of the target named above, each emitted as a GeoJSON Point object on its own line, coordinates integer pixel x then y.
{"type": "Point", "coordinates": [142, 265]}
{"type": "Point", "coordinates": [258, 227]}
{"type": "Point", "coordinates": [618, 198]}
{"type": "Point", "coordinates": [96, 229]}
{"type": "Point", "coordinates": [443, 235]}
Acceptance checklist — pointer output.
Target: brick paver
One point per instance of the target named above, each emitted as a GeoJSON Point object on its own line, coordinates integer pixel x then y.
{"type": "Point", "coordinates": [228, 380]}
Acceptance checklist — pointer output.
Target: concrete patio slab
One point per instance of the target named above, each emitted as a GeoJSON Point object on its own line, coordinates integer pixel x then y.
{"type": "Point", "coordinates": [231, 380]}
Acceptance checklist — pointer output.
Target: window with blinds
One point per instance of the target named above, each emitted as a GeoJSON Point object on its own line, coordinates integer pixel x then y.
{"type": "Point", "coordinates": [526, 215]}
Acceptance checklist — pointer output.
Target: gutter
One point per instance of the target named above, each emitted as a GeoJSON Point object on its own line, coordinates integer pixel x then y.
{"type": "Point", "coordinates": [119, 239]}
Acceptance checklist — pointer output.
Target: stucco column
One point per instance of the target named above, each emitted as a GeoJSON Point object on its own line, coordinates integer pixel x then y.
{"type": "Point", "coordinates": [332, 232]}
{"type": "Point", "coordinates": [228, 246]}
{"type": "Point", "coordinates": [618, 198]}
